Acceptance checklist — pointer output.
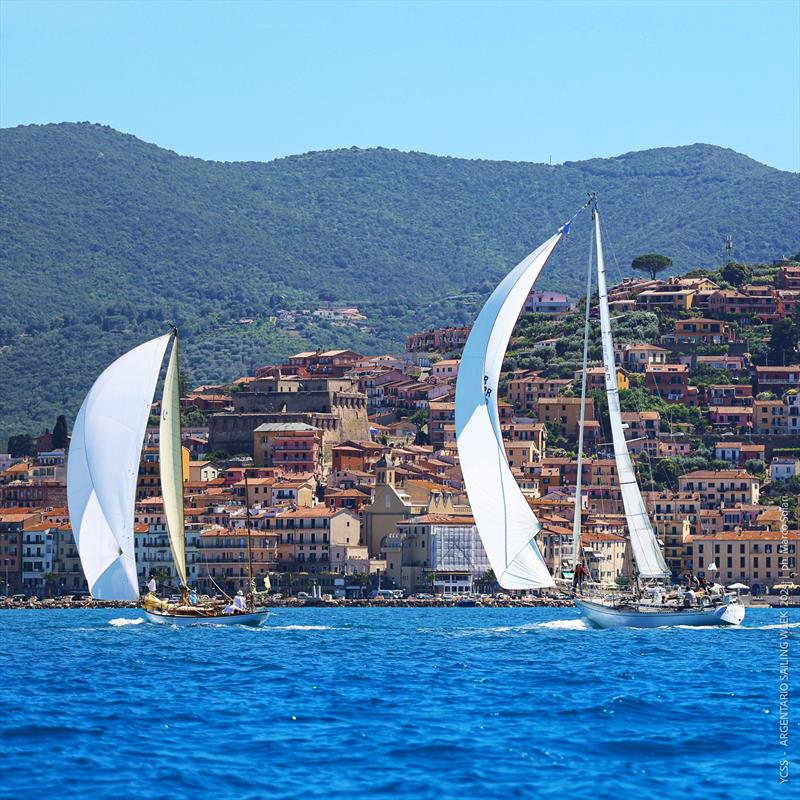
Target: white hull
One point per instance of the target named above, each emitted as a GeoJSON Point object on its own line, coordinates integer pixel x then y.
{"type": "Point", "coordinates": [601, 615]}
{"type": "Point", "coordinates": [252, 619]}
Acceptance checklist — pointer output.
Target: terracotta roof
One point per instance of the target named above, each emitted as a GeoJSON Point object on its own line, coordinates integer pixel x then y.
{"type": "Point", "coordinates": [722, 474]}
{"type": "Point", "coordinates": [21, 467]}
{"type": "Point", "coordinates": [774, 536]}
{"type": "Point", "coordinates": [602, 537]}
{"type": "Point", "coordinates": [16, 516]}
{"type": "Point", "coordinates": [307, 513]}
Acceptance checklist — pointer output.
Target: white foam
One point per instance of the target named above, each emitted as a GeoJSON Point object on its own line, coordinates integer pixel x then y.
{"type": "Point", "coordinates": [564, 624]}
{"type": "Point", "coordinates": [299, 628]}
{"type": "Point", "coordinates": [122, 621]}
{"type": "Point", "coordinates": [555, 624]}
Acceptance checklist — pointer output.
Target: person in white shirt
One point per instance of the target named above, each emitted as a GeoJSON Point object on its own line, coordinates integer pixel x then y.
{"type": "Point", "coordinates": [238, 601]}
{"type": "Point", "coordinates": [151, 586]}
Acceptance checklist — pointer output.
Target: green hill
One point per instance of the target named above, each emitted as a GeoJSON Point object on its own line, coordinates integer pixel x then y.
{"type": "Point", "coordinates": [105, 239]}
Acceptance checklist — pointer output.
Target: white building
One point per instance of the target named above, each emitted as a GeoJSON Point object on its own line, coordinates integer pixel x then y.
{"type": "Point", "coordinates": [439, 551]}
{"type": "Point", "coordinates": [782, 468]}
{"type": "Point", "coordinates": [39, 548]}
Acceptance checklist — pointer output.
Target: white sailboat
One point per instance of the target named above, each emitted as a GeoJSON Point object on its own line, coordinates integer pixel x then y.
{"type": "Point", "coordinates": [650, 567]}
{"type": "Point", "coordinates": [102, 472]}
{"type": "Point", "coordinates": [506, 523]}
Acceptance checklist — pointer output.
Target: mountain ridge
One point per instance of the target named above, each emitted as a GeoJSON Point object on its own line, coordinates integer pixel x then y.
{"type": "Point", "coordinates": [704, 146]}
{"type": "Point", "coordinates": [105, 239]}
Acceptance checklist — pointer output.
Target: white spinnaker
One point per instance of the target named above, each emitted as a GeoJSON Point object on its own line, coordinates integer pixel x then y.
{"type": "Point", "coordinates": [646, 552]}
{"type": "Point", "coordinates": [171, 464]}
{"type": "Point", "coordinates": [505, 522]}
{"type": "Point", "coordinates": [103, 467]}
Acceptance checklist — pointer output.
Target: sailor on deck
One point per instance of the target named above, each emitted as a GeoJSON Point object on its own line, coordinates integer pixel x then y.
{"type": "Point", "coordinates": [151, 586]}
{"type": "Point", "coordinates": [238, 601]}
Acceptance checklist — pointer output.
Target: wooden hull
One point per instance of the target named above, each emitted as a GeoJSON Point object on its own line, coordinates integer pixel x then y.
{"type": "Point", "coordinates": [252, 619]}
{"type": "Point", "coordinates": [600, 615]}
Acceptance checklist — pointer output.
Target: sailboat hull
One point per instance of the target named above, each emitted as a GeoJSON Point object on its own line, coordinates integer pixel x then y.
{"type": "Point", "coordinates": [252, 620]}
{"type": "Point", "coordinates": [600, 615]}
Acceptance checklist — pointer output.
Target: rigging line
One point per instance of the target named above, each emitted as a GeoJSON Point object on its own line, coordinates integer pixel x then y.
{"type": "Point", "coordinates": [577, 511]}
{"type": "Point", "coordinates": [646, 451]}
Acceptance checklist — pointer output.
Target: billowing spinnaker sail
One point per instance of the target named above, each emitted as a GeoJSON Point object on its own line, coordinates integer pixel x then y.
{"type": "Point", "coordinates": [171, 464]}
{"type": "Point", "coordinates": [103, 467]}
{"type": "Point", "coordinates": [506, 523]}
{"type": "Point", "coordinates": [646, 552]}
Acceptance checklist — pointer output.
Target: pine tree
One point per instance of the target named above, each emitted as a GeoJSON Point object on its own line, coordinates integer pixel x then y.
{"type": "Point", "coordinates": [60, 433]}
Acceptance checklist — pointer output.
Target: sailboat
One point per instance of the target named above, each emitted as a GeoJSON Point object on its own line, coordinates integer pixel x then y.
{"type": "Point", "coordinates": [102, 472]}
{"type": "Point", "coordinates": [506, 523]}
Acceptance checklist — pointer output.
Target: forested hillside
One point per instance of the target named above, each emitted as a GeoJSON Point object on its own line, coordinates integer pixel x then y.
{"type": "Point", "coordinates": [105, 240]}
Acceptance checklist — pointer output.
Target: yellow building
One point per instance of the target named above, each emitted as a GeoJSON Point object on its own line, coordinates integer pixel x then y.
{"type": "Point", "coordinates": [564, 412]}
{"type": "Point", "coordinates": [769, 417]}
{"type": "Point", "coordinates": [596, 379]}
{"type": "Point", "coordinates": [752, 557]}
{"type": "Point", "coordinates": [148, 483]}
{"type": "Point", "coordinates": [606, 556]}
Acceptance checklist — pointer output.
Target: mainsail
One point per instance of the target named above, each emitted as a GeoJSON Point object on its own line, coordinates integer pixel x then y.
{"type": "Point", "coordinates": [646, 552]}
{"type": "Point", "coordinates": [506, 523]}
{"type": "Point", "coordinates": [171, 464]}
{"type": "Point", "coordinates": [103, 468]}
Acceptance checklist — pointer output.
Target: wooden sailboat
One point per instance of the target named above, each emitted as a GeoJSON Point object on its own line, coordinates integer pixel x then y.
{"type": "Point", "coordinates": [101, 485]}
{"type": "Point", "coordinates": [506, 523]}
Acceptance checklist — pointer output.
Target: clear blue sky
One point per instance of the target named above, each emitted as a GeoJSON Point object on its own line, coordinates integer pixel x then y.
{"type": "Point", "coordinates": [522, 81]}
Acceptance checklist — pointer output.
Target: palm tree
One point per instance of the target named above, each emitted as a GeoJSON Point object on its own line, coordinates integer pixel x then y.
{"type": "Point", "coordinates": [162, 576]}
{"type": "Point", "coordinates": [490, 579]}
{"type": "Point", "coordinates": [49, 579]}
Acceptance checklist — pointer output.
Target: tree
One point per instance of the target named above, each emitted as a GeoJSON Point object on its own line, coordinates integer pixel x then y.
{"type": "Point", "coordinates": [50, 579]}
{"type": "Point", "coordinates": [60, 433]}
{"type": "Point", "coordinates": [651, 263]}
{"type": "Point", "coordinates": [736, 274]}
{"type": "Point", "coordinates": [20, 445]}
{"type": "Point", "coordinates": [783, 342]}
{"type": "Point", "coordinates": [755, 466]}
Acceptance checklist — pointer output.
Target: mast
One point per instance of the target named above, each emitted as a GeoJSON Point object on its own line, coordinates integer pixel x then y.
{"type": "Point", "coordinates": [577, 517]}
{"type": "Point", "coordinates": [250, 579]}
{"type": "Point", "coordinates": [647, 555]}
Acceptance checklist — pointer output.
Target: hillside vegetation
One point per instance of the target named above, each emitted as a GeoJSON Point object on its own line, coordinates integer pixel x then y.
{"type": "Point", "coordinates": [105, 240]}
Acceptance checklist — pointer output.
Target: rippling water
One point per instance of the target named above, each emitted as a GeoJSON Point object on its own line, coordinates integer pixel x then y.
{"type": "Point", "coordinates": [401, 703]}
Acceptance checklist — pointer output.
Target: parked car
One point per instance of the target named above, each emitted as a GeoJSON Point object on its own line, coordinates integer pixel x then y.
{"type": "Point", "coordinates": [423, 596]}
{"type": "Point", "coordinates": [303, 596]}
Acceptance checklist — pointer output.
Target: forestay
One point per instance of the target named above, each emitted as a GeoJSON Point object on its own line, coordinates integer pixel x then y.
{"type": "Point", "coordinates": [171, 464]}
{"type": "Point", "coordinates": [506, 524]}
{"type": "Point", "coordinates": [103, 467]}
{"type": "Point", "coordinates": [646, 552]}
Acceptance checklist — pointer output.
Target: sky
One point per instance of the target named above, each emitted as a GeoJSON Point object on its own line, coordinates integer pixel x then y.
{"type": "Point", "coordinates": [522, 81]}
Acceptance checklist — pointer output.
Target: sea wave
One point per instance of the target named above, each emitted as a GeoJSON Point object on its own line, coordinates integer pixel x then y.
{"type": "Point", "coordinates": [121, 622]}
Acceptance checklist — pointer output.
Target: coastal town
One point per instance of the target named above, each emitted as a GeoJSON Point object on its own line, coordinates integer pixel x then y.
{"type": "Point", "coordinates": [344, 468]}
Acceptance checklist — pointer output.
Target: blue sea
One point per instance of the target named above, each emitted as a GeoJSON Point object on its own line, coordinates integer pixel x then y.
{"type": "Point", "coordinates": [402, 703]}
